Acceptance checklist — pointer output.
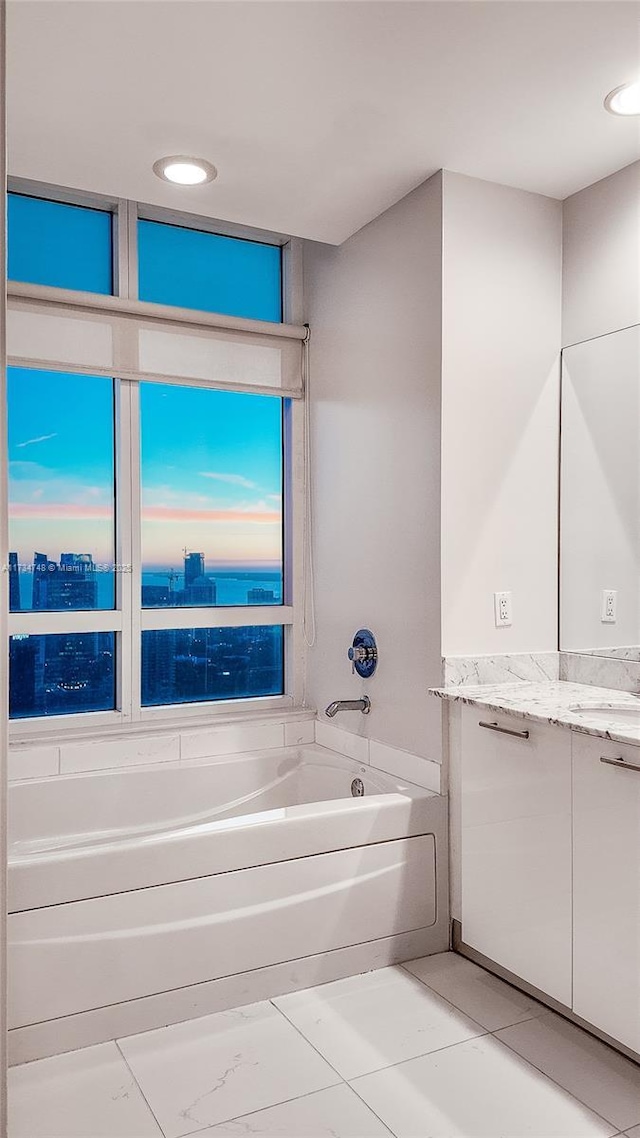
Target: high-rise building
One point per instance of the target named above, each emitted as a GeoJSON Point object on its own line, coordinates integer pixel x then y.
{"type": "Point", "coordinates": [72, 584]}
{"type": "Point", "coordinates": [202, 591]}
{"type": "Point", "coordinates": [259, 596]}
{"type": "Point", "coordinates": [193, 567]}
{"type": "Point", "coordinates": [26, 690]}
{"type": "Point", "coordinates": [199, 590]}
{"type": "Point", "coordinates": [159, 647]}
{"type": "Point", "coordinates": [157, 596]}
{"type": "Point", "coordinates": [14, 583]}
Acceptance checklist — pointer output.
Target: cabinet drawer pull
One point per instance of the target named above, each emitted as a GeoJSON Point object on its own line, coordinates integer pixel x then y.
{"type": "Point", "coordinates": [620, 762]}
{"type": "Point", "coordinates": [504, 730]}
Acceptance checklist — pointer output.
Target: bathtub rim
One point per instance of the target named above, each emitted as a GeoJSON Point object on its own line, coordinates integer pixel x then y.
{"type": "Point", "coordinates": [400, 810]}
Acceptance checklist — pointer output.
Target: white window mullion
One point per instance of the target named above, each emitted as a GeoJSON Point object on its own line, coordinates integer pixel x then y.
{"type": "Point", "coordinates": [135, 578]}
{"type": "Point", "coordinates": [120, 249]}
{"type": "Point", "coordinates": [124, 552]}
{"type": "Point", "coordinates": [293, 521]}
{"type": "Point", "coordinates": [183, 616]}
{"type": "Point", "coordinates": [45, 622]}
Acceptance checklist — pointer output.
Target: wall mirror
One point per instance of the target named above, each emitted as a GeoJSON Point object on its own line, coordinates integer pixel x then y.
{"type": "Point", "coordinates": [600, 496]}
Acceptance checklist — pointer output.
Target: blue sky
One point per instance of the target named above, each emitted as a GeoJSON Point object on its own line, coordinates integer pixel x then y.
{"type": "Point", "coordinates": [211, 471]}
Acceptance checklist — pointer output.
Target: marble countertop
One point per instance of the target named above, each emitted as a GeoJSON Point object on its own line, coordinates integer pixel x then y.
{"type": "Point", "coordinates": [551, 702]}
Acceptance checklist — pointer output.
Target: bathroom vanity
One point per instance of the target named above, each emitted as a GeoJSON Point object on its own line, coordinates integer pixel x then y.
{"type": "Point", "coordinates": [546, 843]}
{"type": "Point", "coordinates": [544, 748]}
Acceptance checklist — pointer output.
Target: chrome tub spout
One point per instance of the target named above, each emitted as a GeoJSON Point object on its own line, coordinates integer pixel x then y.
{"type": "Point", "coordinates": [363, 705]}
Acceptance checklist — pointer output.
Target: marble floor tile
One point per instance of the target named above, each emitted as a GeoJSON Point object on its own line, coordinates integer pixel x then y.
{"type": "Point", "coordinates": [477, 1089]}
{"type": "Point", "coordinates": [83, 1094]}
{"type": "Point", "coordinates": [334, 1113]}
{"type": "Point", "coordinates": [634, 1133]}
{"type": "Point", "coordinates": [371, 1021]}
{"type": "Point", "coordinates": [213, 1069]}
{"type": "Point", "coordinates": [477, 993]}
{"type": "Point", "coordinates": [587, 1068]}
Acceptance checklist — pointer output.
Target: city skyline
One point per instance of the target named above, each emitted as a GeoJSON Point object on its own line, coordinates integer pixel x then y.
{"type": "Point", "coordinates": [211, 471]}
{"type": "Point", "coordinates": [77, 582]}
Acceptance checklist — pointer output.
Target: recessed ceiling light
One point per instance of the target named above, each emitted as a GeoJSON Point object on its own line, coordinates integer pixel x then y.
{"type": "Point", "coordinates": [183, 171]}
{"type": "Point", "coordinates": [624, 100]}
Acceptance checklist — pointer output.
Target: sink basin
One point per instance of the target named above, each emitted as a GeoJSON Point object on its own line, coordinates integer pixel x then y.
{"type": "Point", "coordinates": [622, 713]}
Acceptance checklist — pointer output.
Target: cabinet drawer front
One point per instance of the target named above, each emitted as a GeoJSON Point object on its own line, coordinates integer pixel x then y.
{"type": "Point", "coordinates": [516, 847]}
{"type": "Point", "coordinates": [606, 873]}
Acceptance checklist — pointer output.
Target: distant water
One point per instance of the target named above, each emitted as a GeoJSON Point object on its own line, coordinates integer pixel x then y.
{"type": "Point", "coordinates": [232, 586]}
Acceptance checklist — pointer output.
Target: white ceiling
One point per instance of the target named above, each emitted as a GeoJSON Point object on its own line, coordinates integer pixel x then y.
{"type": "Point", "coordinates": [319, 115]}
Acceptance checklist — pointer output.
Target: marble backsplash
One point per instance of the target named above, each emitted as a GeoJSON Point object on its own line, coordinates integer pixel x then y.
{"type": "Point", "coordinates": [534, 667]}
{"type": "Point", "coordinates": [616, 672]}
{"type": "Point", "coordinates": [600, 671]}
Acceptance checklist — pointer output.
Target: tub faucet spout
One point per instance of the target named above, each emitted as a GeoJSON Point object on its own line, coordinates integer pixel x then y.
{"type": "Point", "coordinates": [363, 705]}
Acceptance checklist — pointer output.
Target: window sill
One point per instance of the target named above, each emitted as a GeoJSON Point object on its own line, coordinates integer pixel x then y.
{"type": "Point", "coordinates": [158, 721]}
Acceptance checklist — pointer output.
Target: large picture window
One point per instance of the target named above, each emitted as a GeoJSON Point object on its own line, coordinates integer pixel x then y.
{"type": "Point", "coordinates": [151, 561]}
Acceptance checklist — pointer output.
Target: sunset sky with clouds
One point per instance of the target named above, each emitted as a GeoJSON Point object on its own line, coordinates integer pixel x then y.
{"type": "Point", "coordinates": [211, 471]}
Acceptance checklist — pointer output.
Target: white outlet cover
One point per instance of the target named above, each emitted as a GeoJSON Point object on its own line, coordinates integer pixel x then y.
{"type": "Point", "coordinates": [502, 609]}
{"type": "Point", "coordinates": [609, 611]}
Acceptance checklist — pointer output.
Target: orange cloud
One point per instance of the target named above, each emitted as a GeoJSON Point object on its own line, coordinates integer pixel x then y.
{"type": "Point", "coordinates": [49, 510]}
{"type": "Point", "coordinates": [170, 514]}
{"type": "Point", "coordinates": [60, 510]}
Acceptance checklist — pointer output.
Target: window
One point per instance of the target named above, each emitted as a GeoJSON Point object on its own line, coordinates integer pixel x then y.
{"type": "Point", "coordinates": [61, 491]}
{"type": "Point", "coordinates": [193, 664]}
{"type": "Point", "coordinates": [211, 497]}
{"type": "Point", "coordinates": [192, 269]}
{"type": "Point", "coordinates": [150, 566]}
{"type": "Point", "coordinates": [61, 675]}
{"type": "Point", "coordinates": [51, 243]}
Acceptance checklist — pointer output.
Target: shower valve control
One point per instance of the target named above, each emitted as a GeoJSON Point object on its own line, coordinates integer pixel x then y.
{"type": "Point", "coordinates": [363, 653]}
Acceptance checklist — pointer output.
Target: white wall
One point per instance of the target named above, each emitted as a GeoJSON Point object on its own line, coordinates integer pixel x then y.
{"type": "Point", "coordinates": [500, 389]}
{"type": "Point", "coordinates": [374, 308]}
{"type": "Point", "coordinates": [601, 286]}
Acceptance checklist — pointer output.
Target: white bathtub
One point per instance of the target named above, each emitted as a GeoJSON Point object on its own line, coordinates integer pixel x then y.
{"type": "Point", "coordinates": [128, 884]}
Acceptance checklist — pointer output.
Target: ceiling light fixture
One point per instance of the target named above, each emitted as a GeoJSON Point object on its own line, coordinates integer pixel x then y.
{"type": "Point", "coordinates": [624, 100]}
{"type": "Point", "coordinates": [183, 171]}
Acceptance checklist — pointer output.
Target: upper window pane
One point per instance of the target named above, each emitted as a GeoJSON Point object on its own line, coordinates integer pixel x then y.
{"type": "Point", "coordinates": [191, 269]}
{"type": "Point", "coordinates": [211, 497]}
{"type": "Point", "coordinates": [61, 490]}
{"type": "Point", "coordinates": [67, 246]}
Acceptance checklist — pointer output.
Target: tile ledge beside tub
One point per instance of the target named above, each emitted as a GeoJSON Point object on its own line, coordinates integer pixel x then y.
{"type": "Point", "coordinates": [392, 760]}
{"type": "Point", "coordinates": [42, 757]}
{"type": "Point", "coordinates": [551, 702]}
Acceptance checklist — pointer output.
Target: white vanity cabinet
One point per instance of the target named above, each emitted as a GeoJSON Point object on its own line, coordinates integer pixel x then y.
{"type": "Point", "coordinates": [516, 846]}
{"type": "Point", "coordinates": [606, 885]}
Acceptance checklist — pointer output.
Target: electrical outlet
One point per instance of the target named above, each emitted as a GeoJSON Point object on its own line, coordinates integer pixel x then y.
{"type": "Point", "coordinates": [502, 609]}
{"type": "Point", "coordinates": [609, 613]}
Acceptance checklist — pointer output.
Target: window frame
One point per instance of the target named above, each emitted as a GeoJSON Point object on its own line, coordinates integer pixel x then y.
{"type": "Point", "coordinates": [128, 619]}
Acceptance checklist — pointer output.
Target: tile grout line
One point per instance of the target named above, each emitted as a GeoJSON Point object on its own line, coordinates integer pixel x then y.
{"type": "Point", "coordinates": [489, 1030]}
{"type": "Point", "coordinates": [272, 1106]}
{"type": "Point", "coordinates": [133, 1076]}
{"type": "Point", "coordinates": [550, 1078]}
{"type": "Point", "coordinates": [378, 1070]}
{"type": "Point", "coordinates": [494, 1033]}
{"type": "Point", "coordinates": [343, 1081]}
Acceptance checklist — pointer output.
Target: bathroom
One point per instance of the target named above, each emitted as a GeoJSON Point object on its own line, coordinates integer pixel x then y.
{"type": "Point", "coordinates": [320, 533]}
